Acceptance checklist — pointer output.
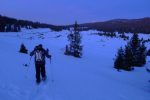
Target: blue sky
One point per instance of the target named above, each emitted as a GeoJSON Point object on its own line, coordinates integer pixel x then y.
{"type": "Point", "coordinates": [60, 12]}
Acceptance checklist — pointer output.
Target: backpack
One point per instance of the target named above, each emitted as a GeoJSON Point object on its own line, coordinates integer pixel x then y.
{"type": "Point", "coordinates": [38, 55]}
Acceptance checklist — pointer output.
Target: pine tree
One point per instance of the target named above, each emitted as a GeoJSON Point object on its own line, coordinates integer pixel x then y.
{"type": "Point", "coordinates": [135, 52]}
{"type": "Point", "coordinates": [128, 58]}
{"type": "Point", "coordinates": [142, 55]}
{"type": "Point", "coordinates": [135, 41]}
{"type": "Point", "coordinates": [148, 52]}
{"type": "Point", "coordinates": [74, 48]}
{"type": "Point", "coordinates": [15, 28]}
{"type": "Point", "coordinates": [134, 55]}
{"type": "Point", "coordinates": [138, 50]}
{"type": "Point", "coordinates": [8, 28]}
{"type": "Point", "coordinates": [2, 27]}
{"type": "Point", "coordinates": [135, 44]}
{"type": "Point", "coordinates": [119, 62]}
{"type": "Point", "coordinates": [23, 49]}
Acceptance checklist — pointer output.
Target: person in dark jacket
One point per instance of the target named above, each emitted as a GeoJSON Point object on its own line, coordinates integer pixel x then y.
{"type": "Point", "coordinates": [40, 53]}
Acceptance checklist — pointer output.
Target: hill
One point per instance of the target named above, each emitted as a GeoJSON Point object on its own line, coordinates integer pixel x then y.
{"type": "Point", "coordinates": [122, 25]}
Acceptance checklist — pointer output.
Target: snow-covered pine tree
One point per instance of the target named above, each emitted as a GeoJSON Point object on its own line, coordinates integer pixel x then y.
{"type": "Point", "coordinates": [23, 49]}
{"type": "Point", "coordinates": [74, 48]}
{"type": "Point", "coordinates": [119, 61]}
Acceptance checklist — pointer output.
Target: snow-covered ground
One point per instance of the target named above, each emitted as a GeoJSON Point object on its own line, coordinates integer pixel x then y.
{"type": "Point", "coordinates": [90, 78]}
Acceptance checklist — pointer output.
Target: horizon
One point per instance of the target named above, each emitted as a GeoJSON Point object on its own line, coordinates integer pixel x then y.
{"type": "Point", "coordinates": [74, 21]}
{"type": "Point", "coordinates": [58, 12]}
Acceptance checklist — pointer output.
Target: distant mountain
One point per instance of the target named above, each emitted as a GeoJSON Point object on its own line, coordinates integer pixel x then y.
{"type": "Point", "coordinates": [8, 24]}
{"type": "Point", "coordinates": [122, 25]}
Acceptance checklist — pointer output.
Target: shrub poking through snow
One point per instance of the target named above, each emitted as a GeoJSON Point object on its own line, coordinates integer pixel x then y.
{"type": "Point", "coordinates": [23, 49]}
{"type": "Point", "coordinates": [133, 55]}
{"type": "Point", "coordinates": [74, 48]}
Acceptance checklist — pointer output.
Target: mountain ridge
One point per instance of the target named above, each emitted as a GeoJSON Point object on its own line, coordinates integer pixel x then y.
{"type": "Point", "coordinates": [140, 25]}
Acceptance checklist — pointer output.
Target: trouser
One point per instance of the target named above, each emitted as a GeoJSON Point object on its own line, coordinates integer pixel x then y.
{"type": "Point", "coordinates": [40, 70]}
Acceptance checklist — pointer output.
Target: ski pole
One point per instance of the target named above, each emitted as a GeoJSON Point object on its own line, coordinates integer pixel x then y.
{"type": "Point", "coordinates": [27, 67]}
{"type": "Point", "coordinates": [52, 80]}
{"type": "Point", "coordinates": [52, 76]}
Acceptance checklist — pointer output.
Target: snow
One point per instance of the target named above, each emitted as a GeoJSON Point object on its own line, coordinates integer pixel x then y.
{"type": "Point", "coordinates": [90, 78]}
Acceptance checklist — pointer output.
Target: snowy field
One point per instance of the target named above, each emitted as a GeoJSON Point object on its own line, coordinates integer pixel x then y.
{"type": "Point", "coordinates": [90, 78]}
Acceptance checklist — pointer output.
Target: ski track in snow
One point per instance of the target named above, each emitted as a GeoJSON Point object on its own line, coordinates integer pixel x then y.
{"type": "Point", "coordinates": [90, 78]}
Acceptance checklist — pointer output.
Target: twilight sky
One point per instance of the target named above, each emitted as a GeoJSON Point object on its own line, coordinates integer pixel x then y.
{"type": "Point", "coordinates": [61, 12]}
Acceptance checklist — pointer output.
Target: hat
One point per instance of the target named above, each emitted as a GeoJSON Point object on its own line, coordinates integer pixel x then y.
{"type": "Point", "coordinates": [39, 47]}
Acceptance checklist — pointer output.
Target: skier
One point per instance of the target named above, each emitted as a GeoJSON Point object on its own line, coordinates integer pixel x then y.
{"type": "Point", "coordinates": [40, 53]}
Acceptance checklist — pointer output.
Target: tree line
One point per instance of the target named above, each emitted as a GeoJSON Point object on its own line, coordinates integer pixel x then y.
{"type": "Point", "coordinates": [8, 24]}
